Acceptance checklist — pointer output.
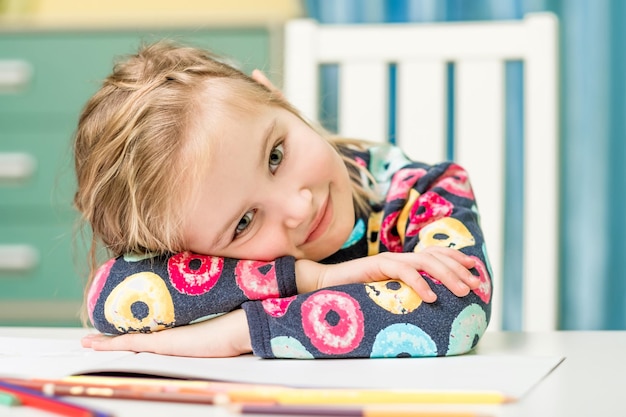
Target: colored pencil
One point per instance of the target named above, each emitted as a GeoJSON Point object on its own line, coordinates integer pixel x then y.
{"type": "Point", "coordinates": [299, 410]}
{"type": "Point", "coordinates": [32, 398]}
{"type": "Point", "coordinates": [213, 386]}
{"type": "Point", "coordinates": [129, 393]}
{"type": "Point", "coordinates": [9, 399]}
{"type": "Point", "coordinates": [169, 393]}
{"type": "Point", "coordinates": [304, 396]}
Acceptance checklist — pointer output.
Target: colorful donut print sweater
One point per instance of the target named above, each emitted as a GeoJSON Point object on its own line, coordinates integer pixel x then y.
{"type": "Point", "coordinates": [420, 206]}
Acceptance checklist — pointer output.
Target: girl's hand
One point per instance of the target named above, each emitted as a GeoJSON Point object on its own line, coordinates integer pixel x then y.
{"type": "Point", "coordinates": [222, 336]}
{"type": "Point", "coordinates": [449, 266]}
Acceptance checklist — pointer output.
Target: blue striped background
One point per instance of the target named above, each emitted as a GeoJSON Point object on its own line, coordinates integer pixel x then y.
{"type": "Point", "coordinates": [593, 141]}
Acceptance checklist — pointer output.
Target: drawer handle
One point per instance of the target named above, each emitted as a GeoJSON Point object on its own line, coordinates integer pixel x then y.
{"type": "Point", "coordinates": [15, 75]}
{"type": "Point", "coordinates": [17, 166]}
{"type": "Point", "coordinates": [18, 258]}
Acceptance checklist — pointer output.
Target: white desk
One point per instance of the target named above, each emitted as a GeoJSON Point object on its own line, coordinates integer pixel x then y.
{"type": "Point", "coordinates": [590, 382]}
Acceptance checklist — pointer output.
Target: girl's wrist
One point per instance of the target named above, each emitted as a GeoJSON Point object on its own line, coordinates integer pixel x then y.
{"type": "Point", "coordinates": [308, 275]}
{"type": "Point", "coordinates": [241, 342]}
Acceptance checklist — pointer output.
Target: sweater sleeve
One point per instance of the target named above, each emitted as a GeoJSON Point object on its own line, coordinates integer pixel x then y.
{"type": "Point", "coordinates": [146, 294]}
{"type": "Point", "coordinates": [423, 206]}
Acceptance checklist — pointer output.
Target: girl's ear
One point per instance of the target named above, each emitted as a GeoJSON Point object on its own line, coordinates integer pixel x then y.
{"type": "Point", "coordinates": [259, 77]}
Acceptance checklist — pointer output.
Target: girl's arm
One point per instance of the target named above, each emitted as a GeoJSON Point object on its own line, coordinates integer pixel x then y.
{"type": "Point", "coordinates": [224, 336]}
{"type": "Point", "coordinates": [429, 211]}
{"type": "Point", "coordinates": [451, 266]}
{"type": "Point", "coordinates": [155, 293]}
{"type": "Point", "coordinates": [372, 319]}
{"type": "Point", "coordinates": [130, 294]}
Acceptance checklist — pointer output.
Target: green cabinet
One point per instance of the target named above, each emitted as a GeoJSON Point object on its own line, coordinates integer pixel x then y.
{"type": "Point", "coordinates": [45, 79]}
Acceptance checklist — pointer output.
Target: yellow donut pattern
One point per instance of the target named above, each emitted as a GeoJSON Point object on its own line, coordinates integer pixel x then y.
{"type": "Point", "coordinates": [404, 214]}
{"type": "Point", "coordinates": [394, 296]}
{"type": "Point", "coordinates": [447, 232]}
{"type": "Point", "coordinates": [373, 232]}
{"type": "Point", "coordinates": [140, 303]}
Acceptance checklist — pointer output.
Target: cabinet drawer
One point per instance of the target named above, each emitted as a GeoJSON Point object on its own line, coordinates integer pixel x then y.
{"type": "Point", "coordinates": [66, 68]}
{"type": "Point", "coordinates": [45, 80]}
{"type": "Point", "coordinates": [39, 282]}
{"type": "Point", "coordinates": [48, 270]}
{"type": "Point", "coordinates": [37, 168]}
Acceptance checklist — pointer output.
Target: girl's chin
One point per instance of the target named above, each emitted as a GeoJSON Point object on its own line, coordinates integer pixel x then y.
{"type": "Point", "coordinates": [325, 249]}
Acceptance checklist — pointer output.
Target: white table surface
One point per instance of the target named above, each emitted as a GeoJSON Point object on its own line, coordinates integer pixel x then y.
{"type": "Point", "coordinates": [590, 382]}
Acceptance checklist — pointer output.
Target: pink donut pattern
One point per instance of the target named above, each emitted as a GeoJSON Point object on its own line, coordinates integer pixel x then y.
{"type": "Point", "coordinates": [96, 286]}
{"type": "Point", "coordinates": [403, 181]}
{"type": "Point", "coordinates": [333, 321]}
{"type": "Point", "coordinates": [429, 208]}
{"type": "Point", "coordinates": [194, 274]}
{"type": "Point", "coordinates": [455, 181]}
{"type": "Point", "coordinates": [389, 235]}
{"type": "Point", "coordinates": [277, 307]}
{"type": "Point", "coordinates": [484, 289]}
{"type": "Point", "coordinates": [257, 279]}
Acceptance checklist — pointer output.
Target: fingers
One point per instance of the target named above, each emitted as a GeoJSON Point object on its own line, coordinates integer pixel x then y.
{"type": "Point", "coordinates": [223, 336]}
{"type": "Point", "coordinates": [452, 268]}
{"type": "Point", "coordinates": [448, 266]}
{"type": "Point", "coordinates": [410, 276]}
{"type": "Point", "coordinates": [86, 340]}
{"type": "Point", "coordinates": [455, 275]}
{"type": "Point", "coordinates": [136, 342]}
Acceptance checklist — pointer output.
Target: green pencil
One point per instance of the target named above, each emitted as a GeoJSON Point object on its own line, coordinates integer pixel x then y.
{"type": "Point", "coordinates": [9, 399]}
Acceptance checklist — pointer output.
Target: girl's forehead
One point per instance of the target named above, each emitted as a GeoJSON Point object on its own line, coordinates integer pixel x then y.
{"type": "Point", "coordinates": [218, 123]}
{"type": "Point", "coordinates": [234, 93]}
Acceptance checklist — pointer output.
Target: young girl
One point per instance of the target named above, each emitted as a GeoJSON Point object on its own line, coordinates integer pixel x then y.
{"type": "Point", "coordinates": [236, 226]}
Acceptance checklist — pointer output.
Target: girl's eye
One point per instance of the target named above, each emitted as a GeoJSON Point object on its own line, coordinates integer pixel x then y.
{"type": "Point", "coordinates": [276, 157]}
{"type": "Point", "coordinates": [243, 224]}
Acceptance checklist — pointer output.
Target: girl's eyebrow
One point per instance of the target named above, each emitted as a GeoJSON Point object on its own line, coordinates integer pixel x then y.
{"type": "Point", "coordinates": [219, 240]}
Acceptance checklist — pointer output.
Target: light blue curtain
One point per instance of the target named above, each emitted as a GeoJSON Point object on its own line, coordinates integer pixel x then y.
{"type": "Point", "coordinates": [593, 142]}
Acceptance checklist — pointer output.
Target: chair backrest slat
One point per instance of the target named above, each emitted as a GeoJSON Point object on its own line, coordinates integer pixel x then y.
{"type": "Point", "coordinates": [479, 148]}
{"type": "Point", "coordinates": [478, 52]}
{"type": "Point", "coordinates": [363, 86]}
{"type": "Point", "coordinates": [421, 117]}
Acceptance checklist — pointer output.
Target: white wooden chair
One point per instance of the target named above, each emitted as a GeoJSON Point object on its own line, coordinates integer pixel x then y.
{"type": "Point", "coordinates": [421, 53]}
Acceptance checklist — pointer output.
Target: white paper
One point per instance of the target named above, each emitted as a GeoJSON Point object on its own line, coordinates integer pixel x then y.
{"type": "Point", "coordinates": [22, 357]}
{"type": "Point", "coordinates": [512, 375]}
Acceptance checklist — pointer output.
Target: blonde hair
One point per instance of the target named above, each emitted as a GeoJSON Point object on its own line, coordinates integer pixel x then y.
{"type": "Point", "coordinates": [130, 148]}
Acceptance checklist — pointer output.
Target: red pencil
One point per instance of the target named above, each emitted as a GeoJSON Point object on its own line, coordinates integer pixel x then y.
{"type": "Point", "coordinates": [129, 393]}
{"type": "Point", "coordinates": [36, 399]}
{"type": "Point", "coordinates": [126, 391]}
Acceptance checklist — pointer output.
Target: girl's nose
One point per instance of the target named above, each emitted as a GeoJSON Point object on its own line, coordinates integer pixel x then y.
{"type": "Point", "coordinates": [297, 207]}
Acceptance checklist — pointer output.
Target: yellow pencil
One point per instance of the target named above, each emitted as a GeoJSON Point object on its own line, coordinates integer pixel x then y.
{"type": "Point", "coordinates": [361, 396]}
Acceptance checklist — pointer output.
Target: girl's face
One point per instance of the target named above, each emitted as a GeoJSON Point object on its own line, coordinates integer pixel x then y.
{"type": "Point", "coordinates": [273, 187]}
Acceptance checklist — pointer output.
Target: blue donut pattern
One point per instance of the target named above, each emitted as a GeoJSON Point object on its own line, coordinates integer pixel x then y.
{"type": "Point", "coordinates": [467, 328]}
{"type": "Point", "coordinates": [403, 339]}
{"type": "Point", "coordinates": [357, 234]}
{"type": "Point", "coordinates": [290, 348]}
